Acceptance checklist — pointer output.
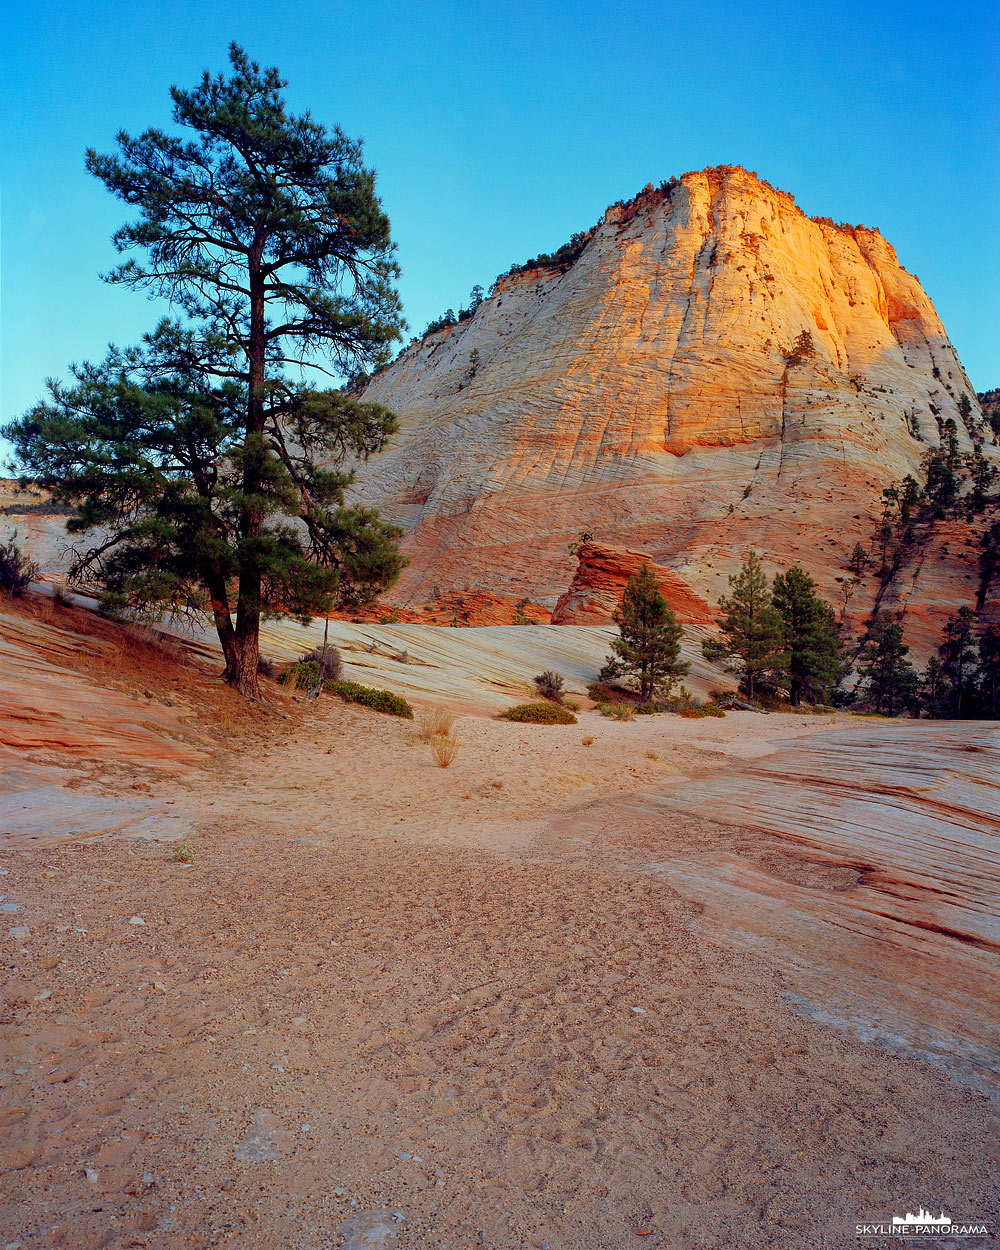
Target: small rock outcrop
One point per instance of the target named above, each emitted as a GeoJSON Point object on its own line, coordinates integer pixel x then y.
{"type": "Point", "coordinates": [600, 581]}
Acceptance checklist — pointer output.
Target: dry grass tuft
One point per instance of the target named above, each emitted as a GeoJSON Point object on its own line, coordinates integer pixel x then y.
{"type": "Point", "coordinates": [616, 711]}
{"type": "Point", "coordinates": [588, 742]}
{"type": "Point", "coordinates": [444, 748]}
{"type": "Point", "coordinates": [433, 724]}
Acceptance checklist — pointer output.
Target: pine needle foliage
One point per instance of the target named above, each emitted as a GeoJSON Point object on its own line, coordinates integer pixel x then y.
{"type": "Point", "coordinates": [887, 679]}
{"type": "Point", "coordinates": [752, 644]}
{"type": "Point", "coordinates": [648, 648]}
{"type": "Point", "coordinates": [811, 637]}
{"type": "Point", "coordinates": [211, 472]}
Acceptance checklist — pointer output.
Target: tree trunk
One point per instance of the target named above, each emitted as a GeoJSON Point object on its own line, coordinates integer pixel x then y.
{"type": "Point", "coordinates": [244, 653]}
{"type": "Point", "coordinates": [241, 653]}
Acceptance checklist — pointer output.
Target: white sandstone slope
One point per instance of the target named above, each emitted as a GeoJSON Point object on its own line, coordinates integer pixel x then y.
{"type": "Point", "coordinates": [650, 394]}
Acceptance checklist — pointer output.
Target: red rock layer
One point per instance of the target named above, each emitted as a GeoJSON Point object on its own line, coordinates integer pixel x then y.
{"type": "Point", "coordinates": [600, 582]}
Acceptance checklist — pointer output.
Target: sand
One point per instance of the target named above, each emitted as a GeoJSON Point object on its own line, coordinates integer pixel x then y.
{"type": "Point", "coordinates": [393, 1004]}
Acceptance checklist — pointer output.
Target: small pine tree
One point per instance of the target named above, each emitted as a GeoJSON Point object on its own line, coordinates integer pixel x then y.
{"type": "Point", "coordinates": [858, 561]}
{"type": "Point", "coordinates": [811, 636]}
{"type": "Point", "coordinates": [887, 678]}
{"type": "Point", "coordinates": [753, 639]}
{"type": "Point", "coordinates": [649, 645]}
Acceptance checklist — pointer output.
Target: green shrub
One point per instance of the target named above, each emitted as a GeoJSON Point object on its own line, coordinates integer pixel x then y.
{"type": "Point", "coordinates": [651, 706]}
{"type": "Point", "coordinates": [307, 671]}
{"type": "Point", "coordinates": [696, 713]}
{"type": "Point", "coordinates": [16, 570]}
{"type": "Point", "coordinates": [327, 660]}
{"type": "Point", "coordinates": [377, 700]}
{"type": "Point", "coordinates": [540, 714]}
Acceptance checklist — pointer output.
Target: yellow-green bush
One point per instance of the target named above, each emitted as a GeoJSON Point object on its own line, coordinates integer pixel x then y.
{"type": "Point", "coordinates": [540, 714]}
{"type": "Point", "coordinates": [377, 700]}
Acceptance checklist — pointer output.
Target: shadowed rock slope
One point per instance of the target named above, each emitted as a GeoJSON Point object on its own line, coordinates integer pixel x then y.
{"type": "Point", "coordinates": [658, 392]}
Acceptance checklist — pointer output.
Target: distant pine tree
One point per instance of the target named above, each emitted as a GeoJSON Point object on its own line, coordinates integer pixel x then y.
{"type": "Point", "coordinates": [935, 689]}
{"type": "Point", "coordinates": [958, 658]}
{"type": "Point", "coordinates": [887, 678]}
{"type": "Point", "coordinates": [648, 648]}
{"type": "Point", "coordinates": [753, 636]}
{"type": "Point", "coordinates": [989, 673]}
{"type": "Point", "coordinates": [811, 637]}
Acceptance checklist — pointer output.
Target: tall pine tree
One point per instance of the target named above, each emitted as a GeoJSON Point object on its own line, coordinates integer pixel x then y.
{"type": "Point", "coordinates": [213, 476]}
{"type": "Point", "coordinates": [648, 648]}
{"type": "Point", "coordinates": [811, 637]}
{"type": "Point", "coordinates": [989, 673]}
{"type": "Point", "coordinates": [753, 637]}
{"type": "Point", "coordinates": [958, 659]}
{"type": "Point", "coordinates": [887, 678]}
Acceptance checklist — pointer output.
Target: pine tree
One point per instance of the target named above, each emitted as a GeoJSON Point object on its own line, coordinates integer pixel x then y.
{"type": "Point", "coordinates": [753, 642]}
{"type": "Point", "coordinates": [858, 561]}
{"type": "Point", "coordinates": [958, 657]}
{"type": "Point", "coordinates": [989, 562]}
{"type": "Point", "coordinates": [989, 672]}
{"type": "Point", "coordinates": [811, 637]}
{"type": "Point", "coordinates": [887, 679]}
{"type": "Point", "coordinates": [649, 644]}
{"type": "Point", "coordinates": [214, 479]}
{"type": "Point", "coordinates": [935, 689]}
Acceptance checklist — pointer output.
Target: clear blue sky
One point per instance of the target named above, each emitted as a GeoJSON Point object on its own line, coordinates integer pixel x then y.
{"type": "Point", "coordinates": [498, 130]}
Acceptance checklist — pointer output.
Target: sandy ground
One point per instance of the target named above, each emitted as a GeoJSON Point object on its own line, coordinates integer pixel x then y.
{"type": "Point", "coordinates": [397, 1005]}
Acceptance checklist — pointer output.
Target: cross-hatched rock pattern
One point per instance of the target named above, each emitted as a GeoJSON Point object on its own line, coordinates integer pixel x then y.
{"type": "Point", "coordinates": [715, 371]}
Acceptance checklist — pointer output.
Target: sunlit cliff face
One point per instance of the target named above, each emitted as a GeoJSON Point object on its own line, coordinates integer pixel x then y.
{"type": "Point", "coordinates": [715, 371]}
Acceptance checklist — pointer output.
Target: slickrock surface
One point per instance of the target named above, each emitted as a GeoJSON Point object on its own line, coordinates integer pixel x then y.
{"type": "Point", "coordinates": [483, 669]}
{"type": "Point", "coordinates": [647, 395]}
{"type": "Point", "coordinates": [887, 839]}
{"type": "Point", "coordinates": [40, 532]}
{"type": "Point", "coordinates": [89, 723]}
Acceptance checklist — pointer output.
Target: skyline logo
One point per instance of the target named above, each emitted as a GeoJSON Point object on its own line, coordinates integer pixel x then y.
{"type": "Point", "coordinates": [923, 1224]}
{"type": "Point", "coordinates": [922, 1219]}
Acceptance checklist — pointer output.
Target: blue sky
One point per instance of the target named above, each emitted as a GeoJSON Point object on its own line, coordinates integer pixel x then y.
{"type": "Point", "coordinates": [498, 130]}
